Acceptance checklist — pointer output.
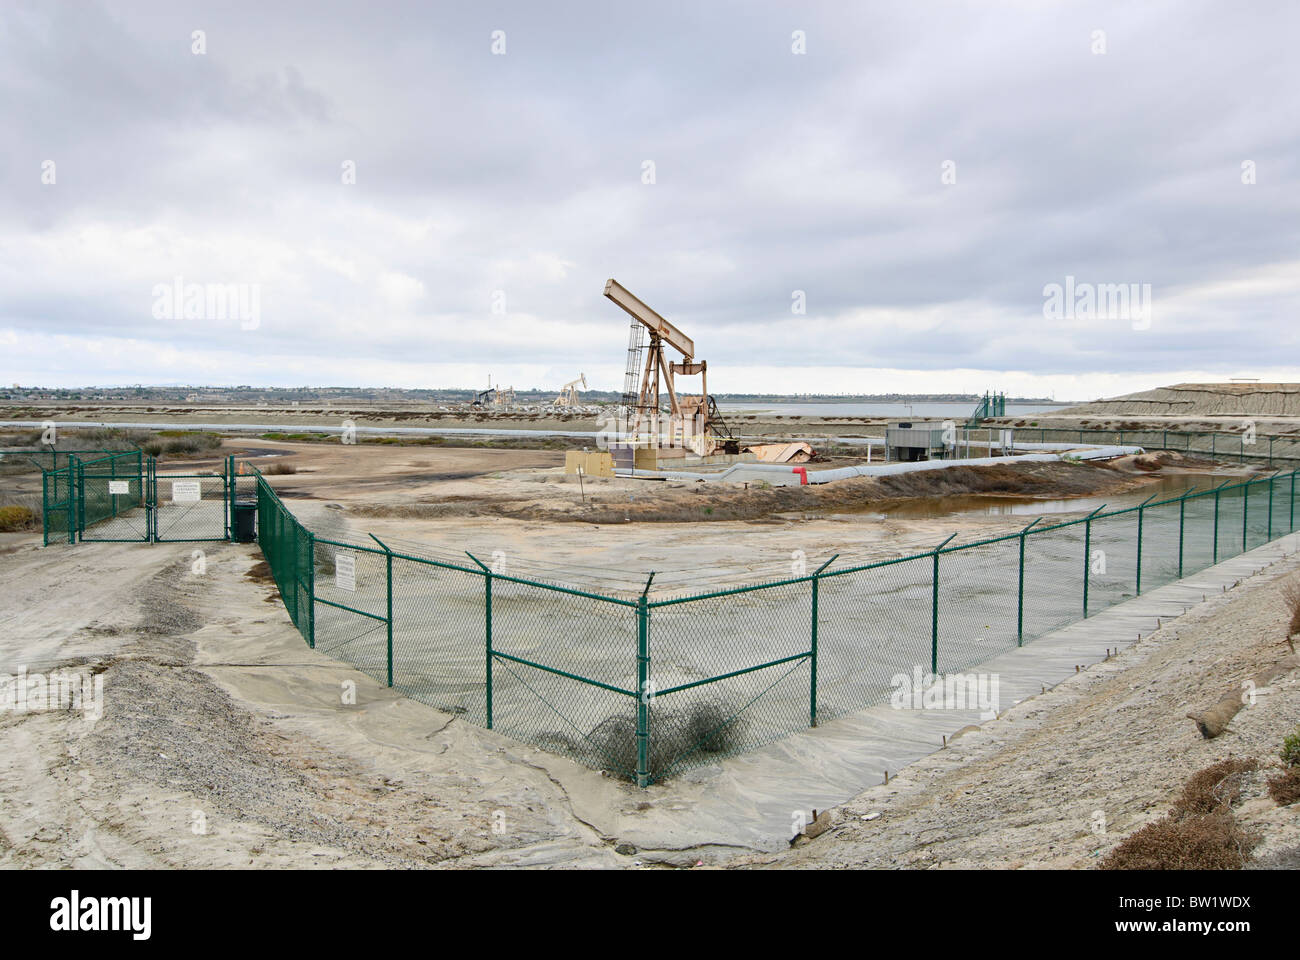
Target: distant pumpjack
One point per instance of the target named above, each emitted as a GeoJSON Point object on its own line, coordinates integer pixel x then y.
{"type": "Point", "coordinates": [569, 392]}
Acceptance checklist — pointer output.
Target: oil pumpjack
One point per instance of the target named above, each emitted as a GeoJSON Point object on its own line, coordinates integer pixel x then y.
{"type": "Point", "coordinates": [693, 419]}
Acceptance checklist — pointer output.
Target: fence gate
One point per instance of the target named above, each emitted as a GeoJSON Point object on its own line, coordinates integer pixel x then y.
{"type": "Point", "coordinates": [58, 504]}
{"type": "Point", "coordinates": [189, 506]}
{"type": "Point", "coordinates": [111, 498]}
{"type": "Point", "coordinates": [121, 498]}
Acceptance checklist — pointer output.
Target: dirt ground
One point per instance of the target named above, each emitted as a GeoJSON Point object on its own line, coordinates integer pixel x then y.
{"type": "Point", "coordinates": [1187, 400]}
{"type": "Point", "coordinates": [225, 742]}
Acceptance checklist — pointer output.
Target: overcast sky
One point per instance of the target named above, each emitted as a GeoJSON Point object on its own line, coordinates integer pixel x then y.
{"type": "Point", "coordinates": [921, 173]}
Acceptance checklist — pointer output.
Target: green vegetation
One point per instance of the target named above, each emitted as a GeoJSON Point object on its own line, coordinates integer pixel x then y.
{"type": "Point", "coordinates": [1291, 749]}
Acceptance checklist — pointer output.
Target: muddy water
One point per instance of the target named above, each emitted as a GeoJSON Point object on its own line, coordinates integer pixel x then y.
{"type": "Point", "coordinates": [986, 505]}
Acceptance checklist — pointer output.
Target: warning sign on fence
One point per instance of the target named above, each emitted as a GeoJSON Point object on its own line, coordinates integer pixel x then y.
{"type": "Point", "coordinates": [186, 491]}
{"type": "Point", "coordinates": [345, 571]}
{"type": "Point", "coordinates": [119, 486]}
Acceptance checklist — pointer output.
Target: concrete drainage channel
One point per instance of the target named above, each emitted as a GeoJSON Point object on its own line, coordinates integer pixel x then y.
{"type": "Point", "coordinates": [745, 801]}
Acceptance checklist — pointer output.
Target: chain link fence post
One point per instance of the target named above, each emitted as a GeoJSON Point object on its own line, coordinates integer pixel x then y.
{"type": "Point", "coordinates": [1087, 560]}
{"type": "Point", "coordinates": [1245, 512]}
{"type": "Point", "coordinates": [643, 686]}
{"type": "Point", "coordinates": [230, 496]}
{"type": "Point", "coordinates": [934, 607]}
{"type": "Point", "coordinates": [1141, 517]}
{"type": "Point", "coordinates": [1270, 505]}
{"type": "Point", "coordinates": [388, 572]}
{"type": "Point", "coordinates": [1215, 555]}
{"type": "Point", "coordinates": [812, 682]}
{"type": "Point", "coordinates": [1020, 589]}
{"type": "Point", "coordinates": [79, 485]}
{"type": "Point", "coordinates": [74, 469]}
{"type": "Point", "coordinates": [1182, 519]}
{"type": "Point", "coordinates": [487, 635]}
{"type": "Point", "coordinates": [311, 587]}
{"type": "Point", "coordinates": [812, 690]}
{"type": "Point", "coordinates": [1087, 554]}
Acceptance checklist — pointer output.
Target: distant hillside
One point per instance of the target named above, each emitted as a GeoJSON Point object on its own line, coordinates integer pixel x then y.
{"type": "Point", "coordinates": [1201, 400]}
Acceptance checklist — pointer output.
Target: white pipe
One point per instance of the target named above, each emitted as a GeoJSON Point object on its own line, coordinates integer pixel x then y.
{"type": "Point", "coordinates": [781, 475]}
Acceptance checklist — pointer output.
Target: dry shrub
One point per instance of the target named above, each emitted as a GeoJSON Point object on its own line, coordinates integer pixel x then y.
{"type": "Point", "coordinates": [1285, 787]}
{"type": "Point", "coordinates": [1200, 833]}
{"type": "Point", "coordinates": [16, 518]}
{"type": "Point", "coordinates": [280, 469]}
{"type": "Point", "coordinates": [705, 727]}
{"type": "Point", "coordinates": [1217, 786]}
{"type": "Point", "coordinates": [1208, 842]}
{"type": "Point", "coordinates": [1291, 597]}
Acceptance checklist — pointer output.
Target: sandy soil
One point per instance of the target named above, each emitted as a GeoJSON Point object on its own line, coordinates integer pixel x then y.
{"type": "Point", "coordinates": [225, 742]}
{"type": "Point", "coordinates": [216, 714]}
{"type": "Point", "coordinates": [1058, 780]}
{"type": "Point", "coordinates": [1202, 399]}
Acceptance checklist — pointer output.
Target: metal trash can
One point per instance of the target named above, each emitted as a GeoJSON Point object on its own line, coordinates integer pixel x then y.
{"type": "Point", "coordinates": [243, 526]}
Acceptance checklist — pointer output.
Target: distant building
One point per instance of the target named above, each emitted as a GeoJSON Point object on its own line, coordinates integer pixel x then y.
{"type": "Point", "coordinates": [912, 440]}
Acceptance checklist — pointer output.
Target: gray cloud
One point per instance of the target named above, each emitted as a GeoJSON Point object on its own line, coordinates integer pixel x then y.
{"type": "Point", "coordinates": [774, 173]}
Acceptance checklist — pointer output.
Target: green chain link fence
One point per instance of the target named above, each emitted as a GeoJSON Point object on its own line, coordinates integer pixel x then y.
{"type": "Point", "coordinates": [119, 496]}
{"type": "Point", "coordinates": [648, 688]}
{"type": "Point", "coordinates": [1240, 445]}
{"type": "Point", "coordinates": [110, 497]}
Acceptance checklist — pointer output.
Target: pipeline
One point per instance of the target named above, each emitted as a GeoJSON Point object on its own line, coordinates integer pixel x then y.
{"type": "Point", "coordinates": [780, 475]}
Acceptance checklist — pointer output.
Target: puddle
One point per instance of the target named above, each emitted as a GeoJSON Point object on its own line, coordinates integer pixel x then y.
{"type": "Point", "coordinates": [993, 505]}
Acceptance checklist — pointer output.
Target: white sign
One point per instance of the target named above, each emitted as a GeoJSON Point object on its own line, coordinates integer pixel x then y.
{"type": "Point", "coordinates": [119, 486]}
{"type": "Point", "coordinates": [187, 491]}
{"type": "Point", "coordinates": [345, 571]}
